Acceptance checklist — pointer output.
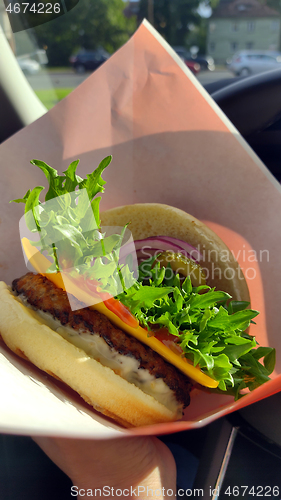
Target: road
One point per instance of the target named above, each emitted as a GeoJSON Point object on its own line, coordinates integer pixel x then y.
{"type": "Point", "coordinates": [205, 77]}
{"type": "Point", "coordinates": [69, 79]}
{"type": "Point", "coordinates": [66, 79]}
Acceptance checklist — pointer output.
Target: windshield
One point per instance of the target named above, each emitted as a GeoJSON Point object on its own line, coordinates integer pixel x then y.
{"type": "Point", "coordinates": [58, 44]}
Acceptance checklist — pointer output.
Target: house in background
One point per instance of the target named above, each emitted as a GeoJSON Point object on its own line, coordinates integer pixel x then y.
{"type": "Point", "coordinates": [242, 24]}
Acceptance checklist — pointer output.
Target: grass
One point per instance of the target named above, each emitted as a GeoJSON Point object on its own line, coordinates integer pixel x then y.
{"type": "Point", "coordinates": [50, 97]}
{"type": "Point", "coordinates": [58, 69]}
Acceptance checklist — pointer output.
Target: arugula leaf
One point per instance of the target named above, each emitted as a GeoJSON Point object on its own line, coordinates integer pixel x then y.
{"type": "Point", "coordinates": [208, 299]}
{"type": "Point", "coordinates": [269, 356]}
{"type": "Point", "coordinates": [95, 207]}
{"type": "Point", "coordinates": [233, 352]}
{"type": "Point", "coordinates": [235, 306]}
{"type": "Point", "coordinates": [239, 320]}
{"type": "Point", "coordinates": [71, 233]}
{"type": "Point", "coordinates": [100, 270]}
{"type": "Point", "coordinates": [212, 336]}
{"type": "Point", "coordinates": [22, 200]}
{"type": "Point", "coordinates": [32, 201]}
{"type": "Point", "coordinates": [147, 295]}
{"type": "Point", "coordinates": [68, 224]}
{"type": "Point", "coordinates": [204, 320]}
{"type": "Point", "coordinates": [55, 181]}
{"type": "Point", "coordinates": [72, 180]}
{"type": "Point", "coordinates": [94, 182]}
{"type": "Point", "coordinates": [187, 286]}
{"type": "Point", "coordinates": [269, 360]}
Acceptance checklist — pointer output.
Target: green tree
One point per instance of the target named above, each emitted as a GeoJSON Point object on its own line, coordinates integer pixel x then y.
{"type": "Point", "coordinates": [91, 24]}
{"type": "Point", "coordinates": [172, 18]}
{"type": "Point", "coordinates": [175, 19]}
{"type": "Point", "coordinates": [198, 36]}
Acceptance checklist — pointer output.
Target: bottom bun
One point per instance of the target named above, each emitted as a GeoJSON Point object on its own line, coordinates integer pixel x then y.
{"type": "Point", "coordinates": [98, 385]}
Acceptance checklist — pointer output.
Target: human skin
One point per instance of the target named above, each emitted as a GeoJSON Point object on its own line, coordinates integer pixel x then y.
{"type": "Point", "coordinates": [123, 463]}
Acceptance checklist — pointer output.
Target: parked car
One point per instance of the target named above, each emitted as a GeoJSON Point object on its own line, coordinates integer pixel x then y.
{"type": "Point", "coordinates": [184, 55]}
{"type": "Point", "coordinates": [193, 66]}
{"type": "Point", "coordinates": [205, 62]}
{"type": "Point", "coordinates": [251, 62]}
{"type": "Point", "coordinates": [28, 66]}
{"type": "Point", "coordinates": [88, 60]}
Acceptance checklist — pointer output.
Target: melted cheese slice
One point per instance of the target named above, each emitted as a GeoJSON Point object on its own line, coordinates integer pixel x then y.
{"type": "Point", "coordinates": [41, 264]}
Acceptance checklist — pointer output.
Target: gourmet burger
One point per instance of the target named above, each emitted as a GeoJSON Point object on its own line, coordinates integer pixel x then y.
{"type": "Point", "coordinates": [137, 354]}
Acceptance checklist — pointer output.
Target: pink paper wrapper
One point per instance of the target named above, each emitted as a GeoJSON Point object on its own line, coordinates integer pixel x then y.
{"type": "Point", "coordinates": [170, 144]}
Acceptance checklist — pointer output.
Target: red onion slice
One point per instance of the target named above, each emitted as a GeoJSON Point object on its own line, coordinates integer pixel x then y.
{"type": "Point", "coordinates": [157, 242]}
{"type": "Point", "coordinates": [152, 246]}
{"type": "Point", "coordinates": [149, 252]}
{"type": "Point", "coordinates": [194, 254]}
{"type": "Point", "coordinates": [165, 243]}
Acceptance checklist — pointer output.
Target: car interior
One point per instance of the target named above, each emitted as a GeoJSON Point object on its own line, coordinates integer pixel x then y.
{"type": "Point", "coordinates": [238, 455]}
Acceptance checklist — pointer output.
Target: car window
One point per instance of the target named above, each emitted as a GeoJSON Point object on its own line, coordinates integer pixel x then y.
{"type": "Point", "coordinates": [268, 58]}
{"type": "Point", "coordinates": [56, 56]}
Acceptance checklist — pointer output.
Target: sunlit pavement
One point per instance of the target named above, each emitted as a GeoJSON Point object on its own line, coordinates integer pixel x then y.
{"type": "Point", "coordinates": [69, 79]}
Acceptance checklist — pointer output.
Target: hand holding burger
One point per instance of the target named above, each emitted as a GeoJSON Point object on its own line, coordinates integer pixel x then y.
{"type": "Point", "coordinates": [95, 465]}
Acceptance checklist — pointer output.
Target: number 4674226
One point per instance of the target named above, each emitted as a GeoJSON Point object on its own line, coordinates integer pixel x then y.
{"type": "Point", "coordinates": [40, 8]}
{"type": "Point", "coordinates": [257, 491]}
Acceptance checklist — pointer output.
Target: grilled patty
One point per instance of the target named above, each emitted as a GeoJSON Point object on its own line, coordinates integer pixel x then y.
{"type": "Point", "coordinates": [44, 295]}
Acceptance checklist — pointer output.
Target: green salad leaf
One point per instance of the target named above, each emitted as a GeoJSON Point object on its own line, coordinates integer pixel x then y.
{"type": "Point", "coordinates": [68, 227]}
{"type": "Point", "coordinates": [210, 331]}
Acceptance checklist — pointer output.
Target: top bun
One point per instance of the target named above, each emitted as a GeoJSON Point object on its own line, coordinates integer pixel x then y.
{"type": "Point", "coordinates": [154, 219]}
